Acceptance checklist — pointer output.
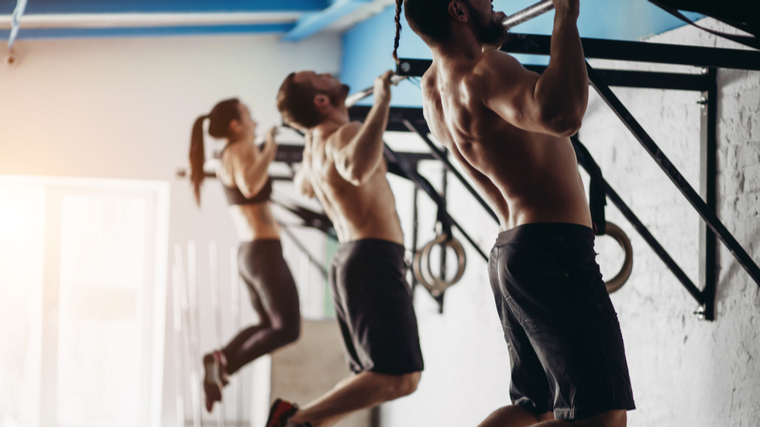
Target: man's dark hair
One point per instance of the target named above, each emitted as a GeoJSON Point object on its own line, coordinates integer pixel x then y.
{"type": "Point", "coordinates": [428, 18]}
{"type": "Point", "coordinates": [296, 103]}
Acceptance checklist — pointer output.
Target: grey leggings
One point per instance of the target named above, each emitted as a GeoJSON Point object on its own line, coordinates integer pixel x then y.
{"type": "Point", "coordinates": [275, 299]}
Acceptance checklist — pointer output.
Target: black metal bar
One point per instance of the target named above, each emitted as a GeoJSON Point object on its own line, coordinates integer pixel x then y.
{"type": "Point", "coordinates": [293, 153]}
{"type": "Point", "coordinates": [303, 249]}
{"type": "Point", "coordinates": [415, 229]}
{"type": "Point", "coordinates": [653, 243]}
{"type": "Point", "coordinates": [444, 192]}
{"type": "Point", "coordinates": [617, 78]}
{"type": "Point", "coordinates": [586, 161]}
{"type": "Point", "coordinates": [643, 52]}
{"type": "Point", "coordinates": [708, 245]}
{"type": "Point", "coordinates": [686, 189]}
{"type": "Point", "coordinates": [396, 117]}
{"type": "Point", "coordinates": [469, 239]}
{"type": "Point", "coordinates": [425, 186]}
{"type": "Point", "coordinates": [438, 154]}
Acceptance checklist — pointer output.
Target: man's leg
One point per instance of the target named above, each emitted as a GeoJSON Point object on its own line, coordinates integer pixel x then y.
{"type": "Point", "coordinates": [513, 416]}
{"type": "Point", "coordinates": [361, 391]}
{"type": "Point", "coordinates": [517, 416]}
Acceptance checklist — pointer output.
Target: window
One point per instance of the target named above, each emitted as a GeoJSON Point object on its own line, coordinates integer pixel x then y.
{"type": "Point", "coordinates": [94, 318]}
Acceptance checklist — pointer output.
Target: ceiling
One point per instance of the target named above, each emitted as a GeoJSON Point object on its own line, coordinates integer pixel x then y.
{"type": "Point", "coordinates": [152, 6]}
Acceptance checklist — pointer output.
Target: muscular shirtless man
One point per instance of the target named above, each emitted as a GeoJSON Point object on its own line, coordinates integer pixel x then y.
{"type": "Point", "coordinates": [343, 166]}
{"type": "Point", "coordinates": [509, 130]}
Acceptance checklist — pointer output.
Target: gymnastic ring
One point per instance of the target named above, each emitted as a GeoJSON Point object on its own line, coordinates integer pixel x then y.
{"type": "Point", "coordinates": [435, 284]}
{"type": "Point", "coordinates": [619, 280]}
{"type": "Point", "coordinates": [417, 271]}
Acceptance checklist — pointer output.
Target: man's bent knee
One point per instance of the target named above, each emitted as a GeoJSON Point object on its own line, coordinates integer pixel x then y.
{"type": "Point", "coordinates": [405, 384]}
{"type": "Point", "coordinates": [616, 418]}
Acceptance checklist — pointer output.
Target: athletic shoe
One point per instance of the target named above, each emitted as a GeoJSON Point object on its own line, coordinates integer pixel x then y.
{"type": "Point", "coordinates": [280, 412]}
{"type": "Point", "coordinates": [215, 378]}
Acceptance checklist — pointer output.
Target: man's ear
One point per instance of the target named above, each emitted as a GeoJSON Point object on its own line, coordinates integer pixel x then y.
{"type": "Point", "coordinates": [321, 102]}
{"type": "Point", "coordinates": [458, 11]}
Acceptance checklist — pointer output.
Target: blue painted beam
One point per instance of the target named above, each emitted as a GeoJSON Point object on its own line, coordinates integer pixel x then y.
{"type": "Point", "coordinates": [56, 33]}
{"type": "Point", "coordinates": [316, 22]}
{"type": "Point", "coordinates": [116, 6]}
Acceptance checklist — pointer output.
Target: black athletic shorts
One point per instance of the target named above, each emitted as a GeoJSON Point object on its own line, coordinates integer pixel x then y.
{"type": "Point", "coordinates": [563, 335]}
{"type": "Point", "coordinates": [373, 304]}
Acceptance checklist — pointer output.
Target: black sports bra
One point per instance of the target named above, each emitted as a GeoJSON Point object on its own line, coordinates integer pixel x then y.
{"type": "Point", "coordinates": [236, 197]}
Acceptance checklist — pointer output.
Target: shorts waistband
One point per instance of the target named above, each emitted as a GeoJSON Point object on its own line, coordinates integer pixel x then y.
{"type": "Point", "coordinates": [344, 246]}
{"type": "Point", "coordinates": [546, 232]}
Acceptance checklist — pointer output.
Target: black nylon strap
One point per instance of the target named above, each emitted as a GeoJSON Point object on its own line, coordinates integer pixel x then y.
{"type": "Point", "coordinates": [597, 196]}
{"type": "Point", "coordinates": [398, 165]}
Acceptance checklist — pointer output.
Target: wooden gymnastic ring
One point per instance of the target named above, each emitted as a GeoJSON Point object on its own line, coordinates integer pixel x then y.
{"type": "Point", "coordinates": [619, 280]}
{"type": "Point", "coordinates": [417, 271]}
{"type": "Point", "coordinates": [421, 264]}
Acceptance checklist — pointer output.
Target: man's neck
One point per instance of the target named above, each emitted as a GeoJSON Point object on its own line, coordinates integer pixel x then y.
{"type": "Point", "coordinates": [461, 45]}
{"type": "Point", "coordinates": [333, 120]}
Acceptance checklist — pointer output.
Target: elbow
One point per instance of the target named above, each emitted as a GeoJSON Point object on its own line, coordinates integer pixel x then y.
{"type": "Point", "coordinates": [563, 124]}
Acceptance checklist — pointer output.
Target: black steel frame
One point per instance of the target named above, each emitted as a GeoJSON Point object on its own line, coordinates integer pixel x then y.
{"type": "Point", "coordinates": [601, 80]}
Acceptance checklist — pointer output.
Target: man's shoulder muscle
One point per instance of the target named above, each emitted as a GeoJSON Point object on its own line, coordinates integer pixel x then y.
{"type": "Point", "coordinates": [343, 135]}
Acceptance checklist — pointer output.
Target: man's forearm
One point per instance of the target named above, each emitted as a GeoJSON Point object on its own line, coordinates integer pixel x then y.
{"type": "Point", "coordinates": [365, 151]}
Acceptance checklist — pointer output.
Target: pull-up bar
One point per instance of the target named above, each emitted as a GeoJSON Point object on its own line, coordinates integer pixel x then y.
{"type": "Point", "coordinates": [528, 13]}
{"type": "Point", "coordinates": [511, 21]}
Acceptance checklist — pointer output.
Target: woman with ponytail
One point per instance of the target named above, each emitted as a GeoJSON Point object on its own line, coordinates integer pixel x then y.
{"type": "Point", "coordinates": [243, 174]}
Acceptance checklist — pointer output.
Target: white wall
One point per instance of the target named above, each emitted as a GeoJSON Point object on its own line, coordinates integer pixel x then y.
{"type": "Point", "coordinates": [123, 108]}
{"type": "Point", "coordinates": [684, 371]}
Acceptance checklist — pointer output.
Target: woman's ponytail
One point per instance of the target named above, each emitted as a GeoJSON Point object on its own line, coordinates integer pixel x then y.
{"type": "Point", "coordinates": [197, 157]}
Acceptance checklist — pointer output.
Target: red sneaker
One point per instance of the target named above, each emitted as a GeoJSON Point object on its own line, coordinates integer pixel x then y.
{"type": "Point", "coordinates": [215, 378]}
{"type": "Point", "coordinates": [280, 412]}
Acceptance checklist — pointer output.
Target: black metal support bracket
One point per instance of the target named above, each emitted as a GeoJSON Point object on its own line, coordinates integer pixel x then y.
{"type": "Point", "coordinates": [443, 157]}
{"type": "Point", "coordinates": [587, 162]}
{"type": "Point", "coordinates": [708, 245]}
{"type": "Point", "coordinates": [707, 214]}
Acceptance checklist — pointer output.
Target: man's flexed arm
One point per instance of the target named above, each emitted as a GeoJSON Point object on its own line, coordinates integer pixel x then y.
{"type": "Point", "coordinates": [358, 159]}
{"type": "Point", "coordinates": [552, 103]}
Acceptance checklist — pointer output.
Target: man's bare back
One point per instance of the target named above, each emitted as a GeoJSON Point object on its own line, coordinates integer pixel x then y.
{"type": "Point", "coordinates": [528, 176]}
{"type": "Point", "coordinates": [357, 211]}
{"type": "Point", "coordinates": [509, 127]}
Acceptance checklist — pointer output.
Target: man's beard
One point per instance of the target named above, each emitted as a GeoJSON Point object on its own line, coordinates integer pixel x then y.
{"type": "Point", "coordinates": [488, 31]}
{"type": "Point", "coordinates": [338, 95]}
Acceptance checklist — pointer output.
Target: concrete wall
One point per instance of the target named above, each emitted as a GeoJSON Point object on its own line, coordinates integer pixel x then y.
{"type": "Point", "coordinates": [684, 371]}
{"type": "Point", "coordinates": [308, 369]}
{"type": "Point", "coordinates": [123, 108]}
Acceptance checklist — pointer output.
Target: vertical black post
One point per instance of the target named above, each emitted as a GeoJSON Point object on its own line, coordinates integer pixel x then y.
{"type": "Point", "coordinates": [444, 190]}
{"type": "Point", "coordinates": [415, 227]}
{"type": "Point", "coordinates": [708, 249]}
